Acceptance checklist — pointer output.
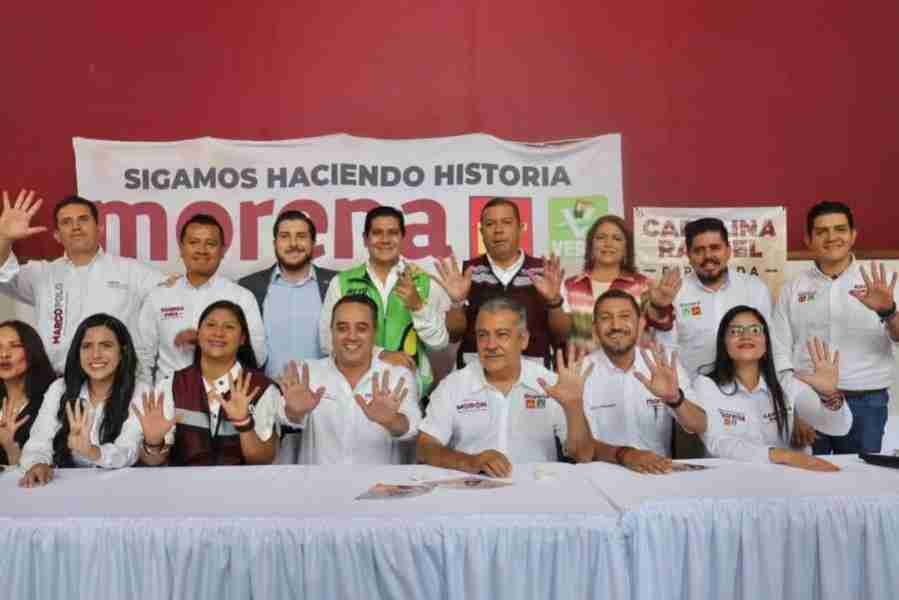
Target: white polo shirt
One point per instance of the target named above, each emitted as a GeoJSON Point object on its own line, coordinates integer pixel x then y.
{"type": "Point", "coordinates": [698, 311]}
{"type": "Point", "coordinates": [814, 304]}
{"type": "Point", "coordinates": [168, 311]}
{"type": "Point", "coordinates": [742, 424]}
{"type": "Point", "coordinates": [469, 415]}
{"type": "Point", "coordinates": [622, 412]}
{"type": "Point", "coordinates": [337, 432]}
{"type": "Point", "coordinates": [63, 294]}
{"type": "Point", "coordinates": [123, 452]}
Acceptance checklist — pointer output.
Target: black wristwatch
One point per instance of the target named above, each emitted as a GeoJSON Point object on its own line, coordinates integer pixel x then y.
{"type": "Point", "coordinates": [680, 400]}
{"type": "Point", "coordinates": [886, 315]}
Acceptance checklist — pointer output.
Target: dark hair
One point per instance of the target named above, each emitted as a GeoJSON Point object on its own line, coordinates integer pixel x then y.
{"type": "Point", "coordinates": [358, 298]}
{"type": "Point", "coordinates": [117, 407]}
{"type": "Point", "coordinates": [500, 201]}
{"type": "Point", "coordinates": [202, 219]}
{"type": "Point", "coordinates": [294, 215]}
{"type": "Point", "coordinates": [73, 199]}
{"type": "Point", "coordinates": [38, 377]}
{"type": "Point", "coordinates": [723, 370]}
{"type": "Point", "coordinates": [383, 211]}
{"type": "Point", "coordinates": [627, 262]}
{"type": "Point", "coordinates": [705, 225]}
{"type": "Point", "coordinates": [827, 208]}
{"type": "Point", "coordinates": [615, 293]}
{"type": "Point", "coordinates": [245, 354]}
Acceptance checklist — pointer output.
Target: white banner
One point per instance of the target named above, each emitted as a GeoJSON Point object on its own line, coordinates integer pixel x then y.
{"type": "Point", "coordinates": [147, 190]}
{"type": "Point", "coordinates": [758, 239]}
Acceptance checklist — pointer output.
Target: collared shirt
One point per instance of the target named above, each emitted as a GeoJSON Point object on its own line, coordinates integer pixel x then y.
{"type": "Point", "coordinates": [123, 452]}
{"type": "Point", "coordinates": [621, 411]}
{"type": "Point", "coordinates": [63, 294]}
{"type": "Point", "coordinates": [429, 321]}
{"type": "Point", "coordinates": [742, 424]}
{"type": "Point", "coordinates": [506, 274]}
{"type": "Point", "coordinates": [815, 305]}
{"type": "Point", "coordinates": [168, 311]}
{"type": "Point", "coordinates": [337, 432]}
{"type": "Point", "coordinates": [267, 410]}
{"type": "Point", "coordinates": [290, 314]}
{"type": "Point", "coordinates": [698, 311]}
{"type": "Point", "coordinates": [469, 415]}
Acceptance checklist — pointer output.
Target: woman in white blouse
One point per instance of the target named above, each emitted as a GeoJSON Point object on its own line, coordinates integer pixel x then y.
{"type": "Point", "coordinates": [85, 419]}
{"type": "Point", "coordinates": [750, 411]}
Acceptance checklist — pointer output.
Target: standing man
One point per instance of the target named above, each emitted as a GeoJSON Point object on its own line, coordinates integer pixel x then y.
{"type": "Point", "coordinates": [850, 309]}
{"type": "Point", "coordinates": [505, 271]}
{"type": "Point", "coordinates": [354, 408]}
{"type": "Point", "coordinates": [290, 295]}
{"type": "Point", "coordinates": [84, 281]}
{"type": "Point", "coordinates": [410, 316]}
{"type": "Point", "coordinates": [167, 327]}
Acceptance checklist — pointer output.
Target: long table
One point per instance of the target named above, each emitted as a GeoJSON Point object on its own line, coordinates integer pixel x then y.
{"type": "Point", "coordinates": [561, 531]}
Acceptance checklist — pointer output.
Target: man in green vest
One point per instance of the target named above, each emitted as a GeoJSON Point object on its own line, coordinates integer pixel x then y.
{"type": "Point", "coordinates": [411, 311]}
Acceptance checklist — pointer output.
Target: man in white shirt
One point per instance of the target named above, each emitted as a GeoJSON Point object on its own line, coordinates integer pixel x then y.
{"type": "Point", "coordinates": [411, 310]}
{"type": "Point", "coordinates": [353, 407]}
{"type": "Point", "coordinates": [167, 326]}
{"type": "Point", "coordinates": [83, 282]}
{"type": "Point", "coordinates": [632, 398]}
{"type": "Point", "coordinates": [850, 309]}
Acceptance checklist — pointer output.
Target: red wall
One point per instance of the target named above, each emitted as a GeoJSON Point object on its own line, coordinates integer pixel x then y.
{"type": "Point", "coordinates": [745, 103]}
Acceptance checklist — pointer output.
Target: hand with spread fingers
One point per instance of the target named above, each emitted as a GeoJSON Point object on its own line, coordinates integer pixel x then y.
{"type": "Point", "coordinates": [299, 399]}
{"type": "Point", "coordinates": [398, 358]}
{"type": "Point", "coordinates": [568, 390]}
{"type": "Point", "coordinates": [644, 461]}
{"type": "Point", "coordinates": [15, 221]}
{"type": "Point", "coordinates": [549, 284]}
{"type": "Point", "coordinates": [38, 475]}
{"type": "Point", "coordinates": [407, 292]}
{"type": "Point", "coordinates": [663, 381]}
{"type": "Point", "coordinates": [490, 462]}
{"type": "Point", "coordinates": [663, 291]}
{"type": "Point", "coordinates": [153, 422]}
{"type": "Point", "coordinates": [878, 295]}
{"type": "Point", "coordinates": [825, 375]}
{"type": "Point", "coordinates": [451, 279]}
{"type": "Point", "coordinates": [237, 405]}
{"type": "Point", "coordinates": [384, 407]}
{"type": "Point", "coordinates": [9, 425]}
{"type": "Point", "coordinates": [80, 425]}
{"type": "Point", "coordinates": [186, 340]}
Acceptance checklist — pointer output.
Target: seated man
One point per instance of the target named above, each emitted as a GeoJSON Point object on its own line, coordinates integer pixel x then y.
{"type": "Point", "coordinates": [495, 411]}
{"type": "Point", "coordinates": [361, 408]}
{"type": "Point", "coordinates": [618, 408]}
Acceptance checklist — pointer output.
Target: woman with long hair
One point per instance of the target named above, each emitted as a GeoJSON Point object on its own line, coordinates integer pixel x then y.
{"type": "Point", "coordinates": [751, 412]}
{"type": "Point", "coordinates": [86, 419]}
{"type": "Point", "coordinates": [25, 375]}
{"type": "Point", "coordinates": [225, 405]}
{"type": "Point", "coordinates": [609, 264]}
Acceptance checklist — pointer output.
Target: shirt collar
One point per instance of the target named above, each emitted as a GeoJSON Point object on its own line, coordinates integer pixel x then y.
{"type": "Point", "coordinates": [514, 267]}
{"type": "Point", "coordinates": [603, 361]}
{"type": "Point", "coordinates": [278, 274]}
{"type": "Point", "coordinates": [527, 377]}
{"type": "Point", "coordinates": [208, 284]}
{"type": "Point", "coordinates": [761, 387]}
{"type": "Point", "coordinates": [100, 253]}
{"type": "Point", "coordinates": [694, 279]}
{"type": "Point", "coordinates": [221, 384]}
{"type": "Point", "coordinates": [395, 269]}
{"type": "Point", "coordinates": [849, 270]}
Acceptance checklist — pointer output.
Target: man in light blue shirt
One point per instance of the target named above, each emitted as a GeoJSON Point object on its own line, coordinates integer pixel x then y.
{"type": "Point", "coordinates": [290, 295]}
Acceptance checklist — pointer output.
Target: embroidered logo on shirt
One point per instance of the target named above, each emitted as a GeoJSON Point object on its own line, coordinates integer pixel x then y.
{"type": "Point", "coordinates": [653, 402]}
{"type": "Point", "coordinates": [731, 417]}
{"type": "Point", "coordinates": [805, 297]}
{"type": "Point", "coordinates": [116, 285]}
{"type": "Point", "coordinates": [171, 312]}
{"type": "Point", "coordinates": [534, 402]}
{"type": "Point", "coordinates": [769, 417]}
{"type": "Point", "coordinates": [691, 309]}
{"type": "Point", "coordinates": [471, 406]}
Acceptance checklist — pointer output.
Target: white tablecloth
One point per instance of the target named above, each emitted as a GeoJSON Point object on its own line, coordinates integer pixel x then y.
{"type": "Point", "coordinates": [297, 532]}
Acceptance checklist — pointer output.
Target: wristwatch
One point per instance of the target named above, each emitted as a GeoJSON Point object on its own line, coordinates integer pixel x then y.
{"type": "Point", "coordinates": [680, 400]}
{"type": "Point", "coordinates": [886, 315]}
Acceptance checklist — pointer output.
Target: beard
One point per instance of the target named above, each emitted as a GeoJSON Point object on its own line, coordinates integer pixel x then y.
{"type": "Point", "coordinates": [304, 262]}
{"type": "Point", "coordinates": [619, 348]}
{"type": "Point", "coordinates": [710, 279]}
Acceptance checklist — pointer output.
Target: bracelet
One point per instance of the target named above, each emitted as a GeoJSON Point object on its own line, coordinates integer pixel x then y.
{"type": "Point", "coordinates": [834, 401]}
{"type": "Point", "coordinates": [619, 454]}
{"type": "Point", "coordinates": [886, 315]}
{"type": "Point", "coordinates": [245, 425]}
{"type": "Point", "coordinates": [156, 449]}
{"type": "Point", "coordinates": [680, 400]}
{"type": "Point", "coordinates": [662, 309]}
{"type": "Point", "coordinates": [458, 303]}
{"type": "Point", "coordinates": [556, 305]}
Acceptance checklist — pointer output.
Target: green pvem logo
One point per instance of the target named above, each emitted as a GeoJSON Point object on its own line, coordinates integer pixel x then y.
{"type": "Point", "coordinates": [569, 220]}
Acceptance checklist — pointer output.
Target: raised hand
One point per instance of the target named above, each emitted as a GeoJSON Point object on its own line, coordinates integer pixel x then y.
{"type": "Point", "coordinates": [9, 425]}
{"type": "Point", "coordinates": [645, 461]}
{"type": "Point", "coordinates": [825, 375]}
{"type": "Point", "coordinates": [878, 295]}
{"type": "Point", "coordinates": [237, 405]}
{"type": "Point", "coordinates": [299, 399]}
{"type": "Point", "coordinates": [663, 383]}
{"type": "Point", "coordinates": [549, 284]}
{"type": "Point", "coordinates": [451, 279]}
{"type": "Point", "coordinates": [568, 390]}
{"type": "Point", "coordinates": [663, 290]}
{"type": "Point", "coordinates": [80, 424]}
{"type": "Point", "coordinates": [407, 292]}
{"type": "Point", "coordinates": [15, 221]}
{"type": "Point", "coordinates": [186, 339]}
{"type": "Point", "coordinates": [385, 403]}
{"type": "Point", "coordinates": [153, 422]}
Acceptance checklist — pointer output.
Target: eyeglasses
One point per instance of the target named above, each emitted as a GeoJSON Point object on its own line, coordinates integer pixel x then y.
{"type": "Point", "coordinates": [750, 330]}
